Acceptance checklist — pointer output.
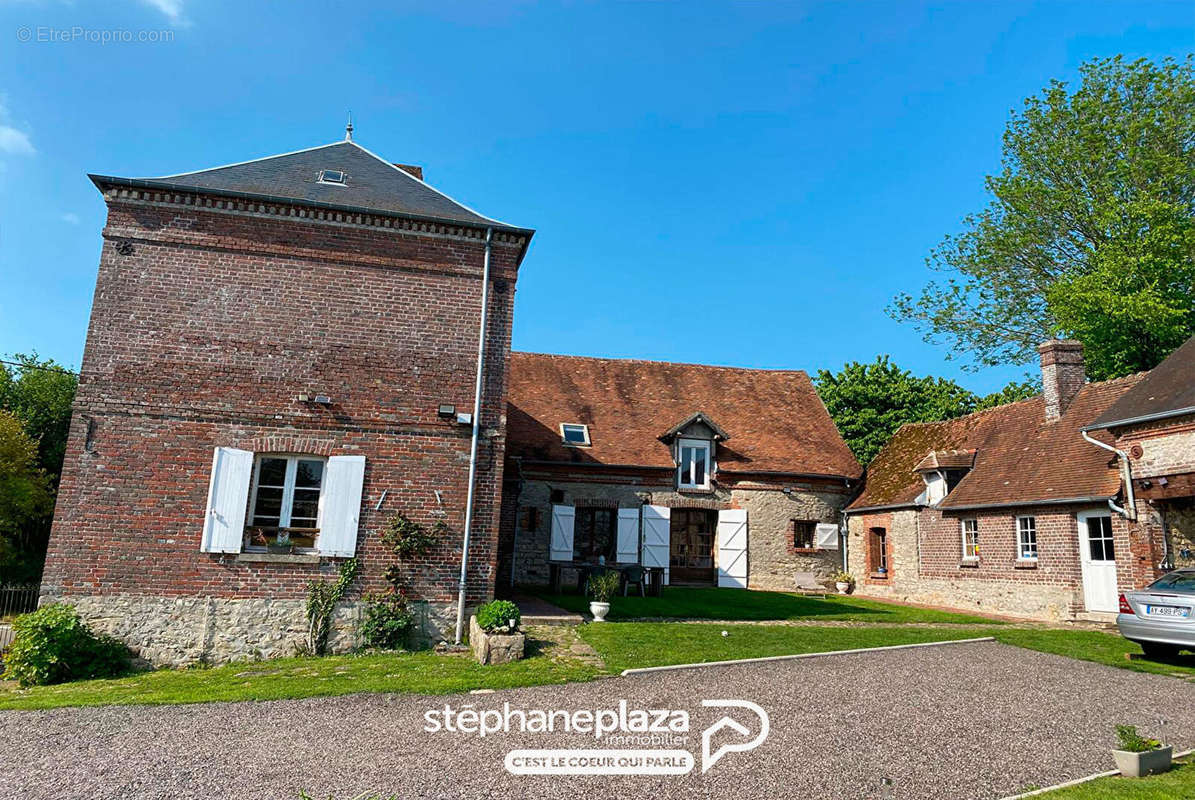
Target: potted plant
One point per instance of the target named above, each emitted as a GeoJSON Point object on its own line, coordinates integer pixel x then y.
{"type": "Point", "coordinates": [1138, 756]}
{"type": "Point", "coordinates": [281, 544]}
{"type": "Point", "coordinates": [843, 581]}
{"type": "Point", "coordinates": [601, 587]}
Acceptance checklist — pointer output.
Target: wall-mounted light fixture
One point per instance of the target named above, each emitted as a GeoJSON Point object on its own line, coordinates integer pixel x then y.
{"type": "Point", "coordinates": [464, 418]}
{"type": "Point", "coordinates": [447, 410]}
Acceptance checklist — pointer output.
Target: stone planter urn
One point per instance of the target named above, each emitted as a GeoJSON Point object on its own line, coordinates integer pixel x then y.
{"type": "Point", "coordinates": [599, 611]}
{"type": "Point", "coordinates": [494, 648]}
{"type": "Point", "coordinates": [1138, 765]}
{"type": "Point", "coordinates": [843, 587]}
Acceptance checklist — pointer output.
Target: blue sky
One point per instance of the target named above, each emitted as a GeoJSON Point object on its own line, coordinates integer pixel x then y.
{"type": "Point", "coordinates": [729, 184]}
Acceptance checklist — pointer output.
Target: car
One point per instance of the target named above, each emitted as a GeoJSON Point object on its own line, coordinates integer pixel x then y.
{"type": "Point", "coordinates": [1161, 617]}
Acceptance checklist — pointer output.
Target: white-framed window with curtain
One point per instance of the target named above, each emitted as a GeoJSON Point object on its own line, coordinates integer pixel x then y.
{"type": "Point", "coordinates": [1027, 538]}
{"type": "Point", "coordinates": [970, 531]}
{"type": "Point", "coordinates": [285, 499]}
{"type": "Point", "coordinates": [693, 463]}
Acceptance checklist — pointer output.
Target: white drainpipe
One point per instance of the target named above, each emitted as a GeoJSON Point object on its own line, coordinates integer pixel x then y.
{"type": "Point", "coordinates": [485, 297]}
{"type": "Point", "coordinates": [1126, 475]}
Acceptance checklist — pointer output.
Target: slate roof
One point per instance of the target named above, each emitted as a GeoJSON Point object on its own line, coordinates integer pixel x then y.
{"type": "Point", "coordinates": [1020, 459]}
{"type": "Point", "coordinates": [373, 185]}
{"type": "Point", "coordinates": [775, 420]}
{"type": "Point", "coordinates": [1168, 390]}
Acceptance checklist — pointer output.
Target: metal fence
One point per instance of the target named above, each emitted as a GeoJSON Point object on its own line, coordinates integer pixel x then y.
{"type": "Point", "coordinates": [18, 599]}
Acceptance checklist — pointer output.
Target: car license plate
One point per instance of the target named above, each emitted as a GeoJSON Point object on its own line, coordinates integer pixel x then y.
{"type": "Point", "coordinates": [1167, 611]}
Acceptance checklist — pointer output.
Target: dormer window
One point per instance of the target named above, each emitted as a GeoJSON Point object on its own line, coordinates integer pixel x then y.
{"type": "Point", "coordinates": [574, 434]}
{"type": "Point", "coordinates": [693, 464]}
{"type": "Point", "coordinates": [942, 470]}
{"type": "Point", "coordinates": [333, 176]}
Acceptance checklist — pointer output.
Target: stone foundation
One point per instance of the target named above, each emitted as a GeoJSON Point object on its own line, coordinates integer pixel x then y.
{"type": "Point", "coordinates": [177, 631]}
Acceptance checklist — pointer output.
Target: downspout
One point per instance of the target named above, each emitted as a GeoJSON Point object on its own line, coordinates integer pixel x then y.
{"type": "Point", "coordinates": [514, 538]}
{"type": "Point", "coordinates": [485, 298]}
{"type": "Point", "coordinates": [1126, 474]}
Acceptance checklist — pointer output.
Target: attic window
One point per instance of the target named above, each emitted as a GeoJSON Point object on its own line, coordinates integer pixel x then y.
{"type": "Point", "coordinates": [574, 434]}
{"type": "Point", "coordinates": [332, 176]}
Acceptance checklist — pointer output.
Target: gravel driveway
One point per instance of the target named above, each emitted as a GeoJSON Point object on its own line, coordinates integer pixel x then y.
{"type": "Point", "coordinates": [962, 721]}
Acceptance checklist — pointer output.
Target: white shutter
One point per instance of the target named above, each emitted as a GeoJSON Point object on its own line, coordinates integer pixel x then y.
{"type": "Point", "coordinates": [826, 536]}
{"type": "Point", "coordinates": [340, 506]}
{"type": "Point", "coordinates": [732, 548]}
{"type": "Point", "coordinates": [628, 536]}
{"type": "Point", "coordinates": [560, 548]}
{"type": "Point", "coordinates": [657, 534]}
{"type": "Point", "coordinates": [227, 501]}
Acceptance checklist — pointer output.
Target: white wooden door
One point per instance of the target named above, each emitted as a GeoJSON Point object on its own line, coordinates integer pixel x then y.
{"type": "Point", "coordinates": [1097, 555]}
{"type": "Point", "coordinates": [657, 535]}
{"type": "Point", "coordinates": [732, 548]}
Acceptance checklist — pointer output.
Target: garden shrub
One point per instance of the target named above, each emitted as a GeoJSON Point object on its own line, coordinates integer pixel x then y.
{"type": "Point", "coordinates": [52, 645]}
{"type": "Point", "coordinates": [495, 617]}
{"type": "Point", "coordinates": [388, 620]}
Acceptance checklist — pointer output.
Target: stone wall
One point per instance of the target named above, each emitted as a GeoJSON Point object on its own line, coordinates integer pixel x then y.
{"type": "Point", "coordinates": [772, 559]}
{"type": "Point", "coordinates": [177, 631]}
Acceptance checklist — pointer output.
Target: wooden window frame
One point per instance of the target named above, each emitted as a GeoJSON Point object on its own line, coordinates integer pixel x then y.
{"type": "Point", "coordinates": [1022, 530]}
{"type": "Point", "coordinates": [694, 444]}
{"type": "Point", "coordinates": [971, 548]}
{"type": "Point", "coordinates": [288, 495]}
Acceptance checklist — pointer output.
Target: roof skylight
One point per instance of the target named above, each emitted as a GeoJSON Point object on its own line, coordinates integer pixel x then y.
{"type": "Point", "coordinates": [332, 176]}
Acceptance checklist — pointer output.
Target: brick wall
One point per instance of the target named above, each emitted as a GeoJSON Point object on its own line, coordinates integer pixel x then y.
{"type": "Point", "coordinates": [926, 566]}
{"type": "Point", "coordinates": [205, 327]}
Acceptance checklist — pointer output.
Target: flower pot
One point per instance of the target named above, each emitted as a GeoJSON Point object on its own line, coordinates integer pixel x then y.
{"type": "Point", "coordinates": [1136, 765]}
{"type": "Point", "coordinates": [599, 611]}
{"type": "Point", "coordinates": [842, 586]}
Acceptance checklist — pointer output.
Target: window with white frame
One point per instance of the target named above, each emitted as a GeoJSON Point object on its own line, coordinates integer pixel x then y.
{"type": "Point", "coordinates": [970, 540]}
{"type": "Point", "coordinates": [285, 500]}
{"type": "Point", "coordinates": [693, 464]}
{"type": "Point", "coordinates": [1027, 538]}
{"type": "Point", "coordinates": [575, 434]}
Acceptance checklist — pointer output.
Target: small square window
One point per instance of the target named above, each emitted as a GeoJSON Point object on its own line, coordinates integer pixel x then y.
{"type": "Point", "coordinates": [575, 434]}
{"type": "Point", "coordinates": [803, 534]}
{"type": "Point", "coordinates": [332, 176]}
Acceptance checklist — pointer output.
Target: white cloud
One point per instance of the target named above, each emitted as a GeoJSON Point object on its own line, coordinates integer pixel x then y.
{"type": "Point", "coordinates": [171, 8]}
{"type": "Point", "coordinates": [73, 219]}
{"type": "Point", "coordinates": [13, 141]}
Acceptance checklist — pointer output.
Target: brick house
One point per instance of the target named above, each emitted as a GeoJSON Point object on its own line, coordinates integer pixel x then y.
{"type": "Point", "coordinates": [718, 476]}
{"type": "Point", "coordinates": [1154, 425]}
{"type": "Point", "coordinates": [279, 346]}
{"type": "Point", "coordinates": [1010, 510]}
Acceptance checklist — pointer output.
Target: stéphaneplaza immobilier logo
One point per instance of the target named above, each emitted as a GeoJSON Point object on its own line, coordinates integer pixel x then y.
{"type": "Point", "coordinates": [634, 741]}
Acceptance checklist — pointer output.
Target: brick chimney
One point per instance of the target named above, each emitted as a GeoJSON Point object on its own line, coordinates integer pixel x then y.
{"type": "Point", "coordinates": [411, 169]}
{"type": "Point", "coordinates": [1062, 374]}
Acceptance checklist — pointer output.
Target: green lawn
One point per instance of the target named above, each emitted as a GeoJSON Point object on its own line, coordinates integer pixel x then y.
{"type": "Point", "coordinates": [1177, 784]}
{"type": "Point", "coordinates": [622, 645]}
{"type": "Point", "coordinates": [732, 604]}
{"type": "Point", "coordinates": [424, 672]}
{"type": "Point", "coordinates": [626, 645]}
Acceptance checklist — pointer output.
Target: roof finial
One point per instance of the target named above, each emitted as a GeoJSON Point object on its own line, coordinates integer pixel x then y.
{"type": "Point", "coordinates": [348, 129]}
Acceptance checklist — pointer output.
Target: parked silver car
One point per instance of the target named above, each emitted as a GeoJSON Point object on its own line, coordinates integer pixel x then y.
{"type": "Point", "coordinates": [1161, 617]}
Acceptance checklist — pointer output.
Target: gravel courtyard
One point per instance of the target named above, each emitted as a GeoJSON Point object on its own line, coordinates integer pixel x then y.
{"type": "Point", "coordinates": [978, 720]}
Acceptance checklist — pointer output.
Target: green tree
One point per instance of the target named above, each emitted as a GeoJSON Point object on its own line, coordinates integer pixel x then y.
{"type": "Point", "coordinates": [37, 394]}
{"type": "Point", "coordinates": [40, 393]}
{"type": "Point", "coordinates": [26, 502]}
{"type": "Point", "coordinates": [1090, 232]}
{"type": "Point", "coordinates": [869, 402]}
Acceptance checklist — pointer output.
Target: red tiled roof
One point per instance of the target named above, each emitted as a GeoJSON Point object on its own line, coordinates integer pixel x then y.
{"type": "Point", "coordinates": [1019, 457]}
{"type": "Point", "coordinates": [946, 459]}
{"type": "Point", "coordinates": [775, 420]}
